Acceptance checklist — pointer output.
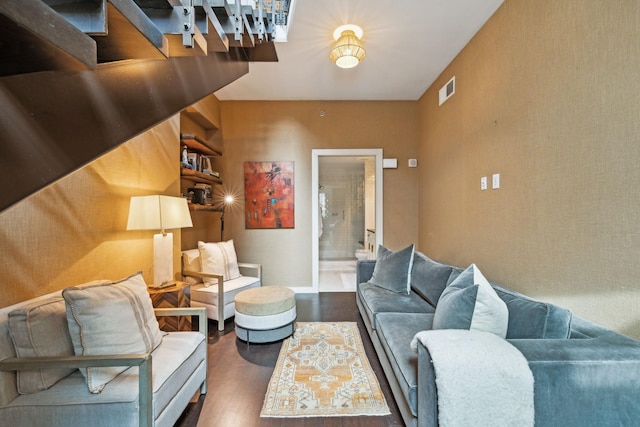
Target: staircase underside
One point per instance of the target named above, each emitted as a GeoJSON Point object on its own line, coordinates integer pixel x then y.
{"type": "Point", "coordinates": [80, 77]}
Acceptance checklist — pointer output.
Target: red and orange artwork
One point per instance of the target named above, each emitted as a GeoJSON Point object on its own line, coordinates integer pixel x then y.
{"type": "Point", "coordinates": [269, 201]}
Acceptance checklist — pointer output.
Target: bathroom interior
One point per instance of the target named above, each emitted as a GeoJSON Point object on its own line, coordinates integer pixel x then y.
{"type": "Point", "coordinates": [346, 200]}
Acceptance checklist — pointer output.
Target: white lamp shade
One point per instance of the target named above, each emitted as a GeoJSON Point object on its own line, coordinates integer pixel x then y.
{"type": "Point", "coordinates": [158, 213]}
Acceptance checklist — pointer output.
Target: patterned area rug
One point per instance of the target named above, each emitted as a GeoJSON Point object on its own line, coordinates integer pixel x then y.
{"type": "Point", "coordinates": [323, 371]}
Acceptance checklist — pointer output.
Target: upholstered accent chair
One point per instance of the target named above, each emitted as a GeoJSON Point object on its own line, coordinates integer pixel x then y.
{"type": "Point", "coordinates": [216, 277]}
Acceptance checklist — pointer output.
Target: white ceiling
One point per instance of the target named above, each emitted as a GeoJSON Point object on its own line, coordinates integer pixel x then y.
{"type": "Point", "coordinates": [408, 44]}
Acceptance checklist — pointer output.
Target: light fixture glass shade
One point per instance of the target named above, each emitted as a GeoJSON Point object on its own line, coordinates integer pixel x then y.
{"type": "Point", "coordinates": [158, 213]}
{"type": "Point", "coordinates": [348, 51]}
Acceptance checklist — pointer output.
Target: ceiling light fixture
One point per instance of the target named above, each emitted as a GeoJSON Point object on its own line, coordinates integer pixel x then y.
{"type": "Point", "coordinates": [348, 51]}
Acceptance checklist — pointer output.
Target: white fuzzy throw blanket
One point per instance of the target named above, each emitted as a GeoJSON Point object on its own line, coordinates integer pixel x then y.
{"type": "Point", "coordinates": [482, 380]}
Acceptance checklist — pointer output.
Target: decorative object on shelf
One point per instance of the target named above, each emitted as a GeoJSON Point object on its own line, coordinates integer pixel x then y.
{"type": "Point", "coordinates": [208, 192]}
{"type": "Point", "coordinates": [197, 195]}
{"type": "Point", "coordinates": [184, 158]}
{"type": "Point", "coordinates": [348, 51]}
{"type": "Point", "coordinates": [159, 212]}
{"type": "Point", "coordinates": [269, 195]}
{"type": "Point", "coordinates": [196, 160]}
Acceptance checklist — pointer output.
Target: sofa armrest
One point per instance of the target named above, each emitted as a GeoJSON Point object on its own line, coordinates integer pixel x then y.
{"type": "Point", "coordinates": [203, 275]}
{"type": "Point", "coordinates": [257, 268]}
{"type": "Point", "coordinates": [220, 280]}
{"type": "Point", "coordinates": [592, 381]}
{"type": "Point", "coordinates": [143, 361]}
{"type": "Point", "coordinates": [364, 270]}
{"type": "Point", "coordinates": [427, 391]}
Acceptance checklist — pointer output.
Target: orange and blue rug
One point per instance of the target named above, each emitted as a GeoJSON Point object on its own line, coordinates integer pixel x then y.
{"type": "Point", "coordinates": [323, 371]}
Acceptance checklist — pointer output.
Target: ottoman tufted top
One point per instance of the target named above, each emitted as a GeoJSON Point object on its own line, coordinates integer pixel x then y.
{"type": "Point", "coordinates": [265, 300]}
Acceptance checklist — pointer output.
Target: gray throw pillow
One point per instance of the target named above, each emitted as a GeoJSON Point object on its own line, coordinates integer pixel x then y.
{"type": "Point", "coordinates": [393, 269]}
{"type": "Point", "coordinates": [531, 319]}
{"type": "Point", "coordinates": [470, 302]}
{"type": "Point", "coordinates": [429, 278]}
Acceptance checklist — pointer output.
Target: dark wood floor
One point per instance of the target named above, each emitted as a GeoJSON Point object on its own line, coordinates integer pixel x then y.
{"type": "Point", "coordinates": [238, 376]}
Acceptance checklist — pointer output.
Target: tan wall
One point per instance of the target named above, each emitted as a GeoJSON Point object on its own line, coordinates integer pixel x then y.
{"type": "Point", "coordinates": [547, 96]}
{"type": "Point", "coordinates": [267, 131]}
{"type": "Point", "coordinates": [74, 230]}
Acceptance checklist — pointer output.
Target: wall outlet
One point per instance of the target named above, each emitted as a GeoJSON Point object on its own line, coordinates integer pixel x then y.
{"type": "Point", "coordinates": [495, 182]}
{"type": "Point", "coordinates": [483, 183]}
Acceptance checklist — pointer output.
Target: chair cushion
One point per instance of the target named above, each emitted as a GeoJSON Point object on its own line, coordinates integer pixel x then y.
{"type": "Point", "coordinates": [218, 258]}
{"type": "Point", "coordinates": [470, 302]}
{"type": "Point", "coordinates": [393, 269]}
{"type": "Point", "coordinates": [40, 330]}
{"type": "Point", "coordinates": [209, 294]}
{"type": "Point", "coordinates": [111, 318]}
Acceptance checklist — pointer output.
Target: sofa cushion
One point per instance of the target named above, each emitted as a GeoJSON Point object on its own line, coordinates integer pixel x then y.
{"type": "Point", "coordinates": [219, 258]}
{"type": "Point", "coordinates": [531, 319]}
{"type": "Point", "coordinates": [393, 269]}
{"type": "Point", "coordinates": [40, 329]}
{"type": "Point", "coordinates": [376, 300]}
{"type": "Point", "coordinates": [179, 367]}
{"type": "Point", "coordinates": [111, 318]}
{"type": "Point", "coordinates": [429, 278]}
{"type": "Point", "coordinates": [394, 332]}
{"type": "Point", "coordinates": [470, 302]}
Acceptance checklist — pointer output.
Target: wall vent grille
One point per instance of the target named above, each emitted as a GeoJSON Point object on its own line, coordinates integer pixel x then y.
{"type": "Point", "coordinates": [447, 90]}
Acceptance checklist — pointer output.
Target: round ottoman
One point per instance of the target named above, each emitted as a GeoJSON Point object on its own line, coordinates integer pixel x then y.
{"type": "Point", "coordinates": [265, 314]}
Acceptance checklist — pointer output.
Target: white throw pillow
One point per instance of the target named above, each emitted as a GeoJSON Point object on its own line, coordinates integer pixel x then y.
{"type": "Point", "coordinates": [40, 330]}
{"type": "Point", "coordinates": [111, 318]}
{"type": "Point", "coordinates": [219, 258]}
{"type": "Point", "coordinates": [191, 262]}
{"type": "Point", "coordinates": [470, 302]}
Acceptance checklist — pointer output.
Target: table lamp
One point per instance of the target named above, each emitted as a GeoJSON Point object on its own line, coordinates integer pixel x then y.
{"type": "Point", "coordinates": [160, 212]}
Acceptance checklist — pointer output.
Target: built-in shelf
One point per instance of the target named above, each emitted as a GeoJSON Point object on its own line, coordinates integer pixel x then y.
{"type": "Point", "coordinates": [194, 207]}
{"type": "Point", "coordinates": [200, 145]}
{"type": "Point", "coordinates": [198, 114]}
{"type": "Point", "coordinates": [196, 176]}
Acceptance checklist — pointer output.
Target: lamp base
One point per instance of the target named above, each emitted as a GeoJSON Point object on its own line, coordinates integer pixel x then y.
{"type": "Point", "coordinates": [162, 259]}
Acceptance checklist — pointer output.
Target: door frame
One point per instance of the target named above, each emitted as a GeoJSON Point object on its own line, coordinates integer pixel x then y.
{"type": "Point", "coordinates": [315, 218]}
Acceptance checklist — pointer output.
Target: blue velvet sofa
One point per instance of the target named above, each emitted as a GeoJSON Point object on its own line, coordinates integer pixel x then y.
{"type": "Point", "coordinates": [584, 374]}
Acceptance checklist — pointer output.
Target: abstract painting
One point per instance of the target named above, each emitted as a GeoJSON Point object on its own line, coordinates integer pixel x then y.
{"type": "Point", "coordinates": [269, 199]}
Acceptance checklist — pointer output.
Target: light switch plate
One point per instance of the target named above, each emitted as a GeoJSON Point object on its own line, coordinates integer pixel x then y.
{"type": "Point", "coordinates": [483, 183]}
{"type": "Point", "coordinates": [390, 163]}
{"type": "Point", "coordinates": [495, 183]}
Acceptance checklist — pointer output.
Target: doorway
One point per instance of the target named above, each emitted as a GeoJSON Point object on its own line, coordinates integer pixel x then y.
{"type": "Point", "coordinates": [346, 211]}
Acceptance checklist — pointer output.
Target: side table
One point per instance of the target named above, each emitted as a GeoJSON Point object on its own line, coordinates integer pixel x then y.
{"type": "Point", "coordinates": [171, 297]}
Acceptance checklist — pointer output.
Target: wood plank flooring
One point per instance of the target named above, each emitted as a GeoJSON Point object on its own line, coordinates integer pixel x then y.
{"type": "Point", "coordinates": [238, 376]}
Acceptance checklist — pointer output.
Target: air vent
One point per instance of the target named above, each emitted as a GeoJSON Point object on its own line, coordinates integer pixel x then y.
{"type": "Point", "coordinates": [447, 90]}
